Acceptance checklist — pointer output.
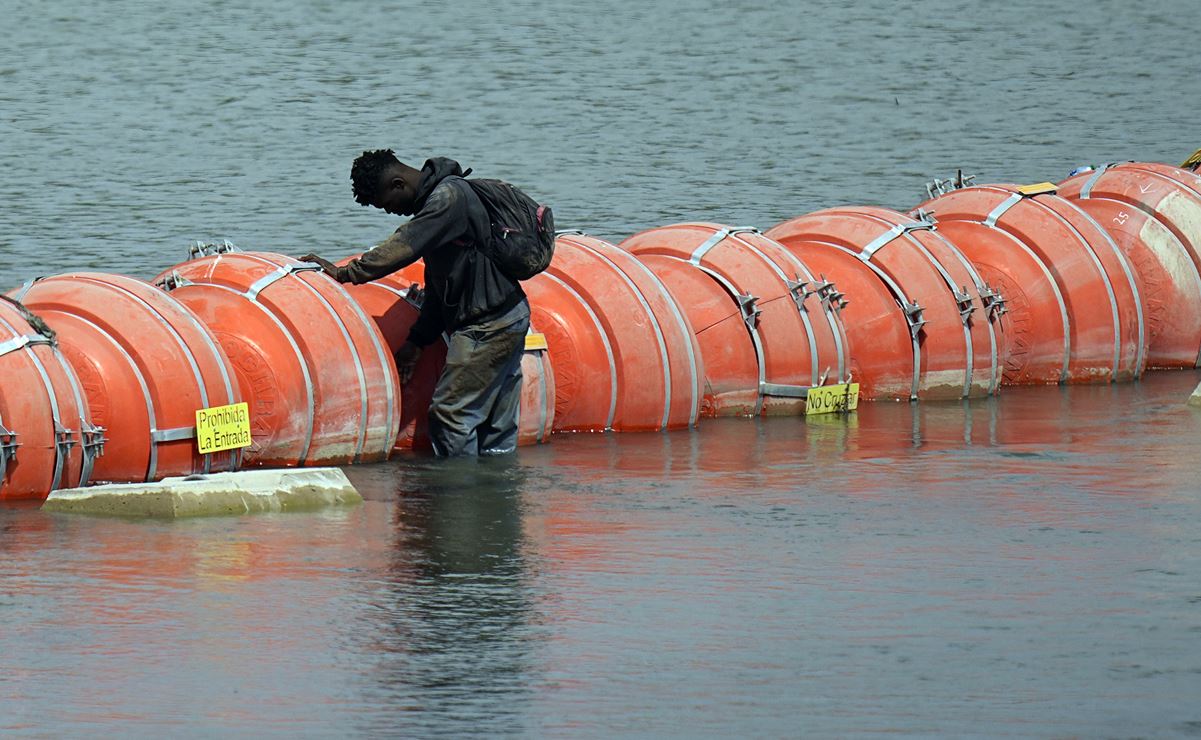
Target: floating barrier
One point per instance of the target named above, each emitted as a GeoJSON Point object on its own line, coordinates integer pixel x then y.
{"type": "Point", "coordinates": [47, 439]}
{"type": "Point", "coordinates": [314, 368]}
{"type": "Point", "coordinates": [1074, 310]}
{"type": "Point", "coordinates": [767, 328]}
{"type": "Point", "coordinates": [929, 332]}
{"type": "Point", "coordinates": [623, 352]}
{"type": "Point", "coordinates": [1153, 212]}
{"type": "Point", "coordinates": [146, 364]}
{"type": "Point", "coordinates": [393, 302]}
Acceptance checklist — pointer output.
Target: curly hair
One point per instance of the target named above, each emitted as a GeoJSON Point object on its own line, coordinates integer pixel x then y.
{"type": "Point", "coordinates": [365, 173]}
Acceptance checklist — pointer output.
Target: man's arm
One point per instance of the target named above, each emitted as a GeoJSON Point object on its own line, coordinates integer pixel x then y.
{"type": "Point", "coordinates": [443, 219]}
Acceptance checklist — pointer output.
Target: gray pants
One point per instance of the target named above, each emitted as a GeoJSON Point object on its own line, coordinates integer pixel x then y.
{"type": "Point", "coordinates": [475, 404]}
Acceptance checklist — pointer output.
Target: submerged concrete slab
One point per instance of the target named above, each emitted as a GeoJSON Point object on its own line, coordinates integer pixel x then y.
{"type": "Point", "coordinates": [1195, 399]}
{"type": "Point", "coordinates": [242, 492]}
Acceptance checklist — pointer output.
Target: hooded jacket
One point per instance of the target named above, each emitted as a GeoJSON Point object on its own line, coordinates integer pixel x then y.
{"type": "Point", "coordinates": [463, 286]}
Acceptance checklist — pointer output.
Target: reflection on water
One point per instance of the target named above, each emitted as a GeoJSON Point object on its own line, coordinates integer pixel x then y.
{"type": "Point", "coordinates": [1020, 565]}
{"type": "Point", "coordinates": [452, 629]}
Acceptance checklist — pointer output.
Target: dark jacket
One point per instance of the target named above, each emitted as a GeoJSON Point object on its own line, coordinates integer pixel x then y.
{"type": "Point", "coordinates": [462, 286]}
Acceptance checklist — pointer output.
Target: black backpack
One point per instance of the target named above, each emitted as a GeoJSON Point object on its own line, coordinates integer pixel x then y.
{"type": "Point", "coordinates": [522, 239]}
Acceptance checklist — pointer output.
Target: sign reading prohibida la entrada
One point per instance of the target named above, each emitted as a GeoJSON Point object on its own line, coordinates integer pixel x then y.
{"type": "Point", "coordinates": [223, 428]}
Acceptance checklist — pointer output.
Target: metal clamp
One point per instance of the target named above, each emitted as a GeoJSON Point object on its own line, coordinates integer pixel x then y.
{"type": "Point", "coordinates": [718, 237]}
{"type": "Point", "coordinates": [173, 281]}
{"type": "Point", "coordinates": [178, 434]}
{"type": "Point", "coordinates": [913, 314]}
{"type": "Point", "coordinates": [875, 245]}
{"type": "Point", "coordinates": [994, 303]}
{"type": "Point", "coordinates": [8, 450]}
{"type": "Point", "coordinates": [415, 295]}
{"type": "Point", "coordinates": [205, 249]}
{"type": "Point", "coordinates": [963, 300]}
{"type": "Point", "coordinates": [937, 187]}
{"type": "Point", "coordinates": [279, 274]}
{"type": "Point", "coordinates": [797, 289]}
{"type": "Point", "coordinates": [21, 342]}
{"type": "Point", "coordinates": [750, 311]}
{"type": "Point", "coordinates": [93, 448]}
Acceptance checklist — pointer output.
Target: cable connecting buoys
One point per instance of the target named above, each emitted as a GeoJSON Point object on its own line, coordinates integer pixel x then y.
{"type": "Point", "coordinates": [320, 382]}
{"type": "Point", "coordinates": [948, 312]}
{"type": "Point", "coordinates": [623, 352]}
{"type": "Point", "coordinates": [1073, 300]}
{"type": "Point", "coordinates": [1153, 212]}
{"type": "Point", "coordinates": [393, 303]}
{"type": "Point", "coordinates": [146, 364]}
{"type": "Point", "coordinates": [47, 439]}
{"type": "Point", "coordinates": [768, 329]}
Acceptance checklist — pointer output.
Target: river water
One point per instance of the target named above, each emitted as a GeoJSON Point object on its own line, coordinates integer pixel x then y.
{"type": "Point", "coordinates": [1026, 565]}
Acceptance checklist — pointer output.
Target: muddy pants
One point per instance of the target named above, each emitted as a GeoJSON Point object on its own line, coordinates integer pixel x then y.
{"type": "Point", "coordinates": [475, 404]}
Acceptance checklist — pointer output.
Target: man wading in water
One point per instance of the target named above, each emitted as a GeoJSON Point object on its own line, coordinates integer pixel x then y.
{"type": "Point", "coordinates": [483, 310]}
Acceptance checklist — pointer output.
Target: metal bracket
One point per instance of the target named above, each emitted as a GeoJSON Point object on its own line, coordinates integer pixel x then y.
{"type": "Point", "coordinates": [750, 311]}
{"type": "Point", "coordinates": [779, 390]}
{"type": "Point", "coordinates": [964, 300]}
{"type": "Point", "coordinates": [21, 342]}
{"type": "Point", "coordinates": [173, 281]}
{"type": "Point", "coordinates": [569, 232]}
{"type": "Point", "coordinates": [415, 295]}
{"type": "Point", "coordinates": [799, 294]}
{"type": "Point", "coordinates": [279, 274]}
{"type": "Point", "coordinates": [93, 448]}
{"type": "Point", "coordinates": [8, 450]}
{"type": "Point", "coordinates": [913, 314]}
{"type": "Point", "coordinates": [205, 249]}
{"type": "Point", "coordinates": [994, 303]}
{"type": "Point", "coordinates": [937, 187]}
{"type": "Point", "coordinates": [64, 439]}
{"type": "Point", "coordinates": [898, 230]}
{"type": "Point", "coordinates": [158, 436]}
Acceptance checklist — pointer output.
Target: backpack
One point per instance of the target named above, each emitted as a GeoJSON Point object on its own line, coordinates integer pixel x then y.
{"type": "Point", "coordinates": [522, 238]}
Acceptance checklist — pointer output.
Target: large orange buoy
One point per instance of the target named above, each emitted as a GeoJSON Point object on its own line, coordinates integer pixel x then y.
{"type": "Point", "coordinates": [1153, 212]}
{"type": "Point", "coordinates": [393, 302]}
{"type": "Point", "coordinates": [948, 309]}
{"type": "Point", "coordinates": [1085, 312]}
{"type": "Point", "coordinates": [768, 329]}
{"type": "Point", "coordinates": [314, 368]}
{"type": "Point", "coordinates": [623, 352]}
{"type": "Point", "coordinates": [146, 364]}
{"type": "Point", "coordinates": [47, 439]}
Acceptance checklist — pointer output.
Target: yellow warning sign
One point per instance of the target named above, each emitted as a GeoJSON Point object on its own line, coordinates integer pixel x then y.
{"type": "Point", "coordinates": [223, 428]}
{"type": "Point", "coordinates": [829, 399]}
{"type": "Point", "coordinates": [535, 342]}
{"type": "Point", "coordinates": [1038, 188]}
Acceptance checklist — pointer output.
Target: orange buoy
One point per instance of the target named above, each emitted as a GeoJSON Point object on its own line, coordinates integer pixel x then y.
{"type": "Point", "coordinates": [314, 368]}
{"type": "Point", "coordinates": [47, 440]}
{"type": "Point", "coordinates": [948, 310]}
{"type": "Point", "coordinates": [763, 341]}
{"type": "Point", "coordinates": [393, 303]}
{"type": "Point", "coordinates": [146, 364]}
{"type": "Point", "coordinates": [1083, 314]}
{"type": "Point", "coordinates": [1153, 212]}
{"type": "Point", "coordinates": [623, 352]}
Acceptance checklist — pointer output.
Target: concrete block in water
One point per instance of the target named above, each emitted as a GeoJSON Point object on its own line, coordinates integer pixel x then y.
{"type": "Point", "coordinates": [1195, 399]}
{"type": "Point", "coordinates": [299, 489]}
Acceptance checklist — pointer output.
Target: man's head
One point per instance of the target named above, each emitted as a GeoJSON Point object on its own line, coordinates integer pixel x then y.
{"type": "Point", "coordinates": [381, 180]}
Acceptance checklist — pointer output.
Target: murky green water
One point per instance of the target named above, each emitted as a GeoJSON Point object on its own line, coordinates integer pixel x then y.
{"type": "Point", "coordinates": [1027, 565]}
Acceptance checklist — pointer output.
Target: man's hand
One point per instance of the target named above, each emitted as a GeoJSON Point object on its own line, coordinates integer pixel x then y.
{"type": "Point", "coordinates": [329, 268]}
{"type": "Point", "coordinates": [406, 360]}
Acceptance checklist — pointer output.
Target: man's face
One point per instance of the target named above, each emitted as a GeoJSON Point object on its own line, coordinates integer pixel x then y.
{"type": "Point", "coordinates": [395, 194]}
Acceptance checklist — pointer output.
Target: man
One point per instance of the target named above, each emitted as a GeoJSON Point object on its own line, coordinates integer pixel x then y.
{"type": "Point", "coordinates": [484, 313]}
